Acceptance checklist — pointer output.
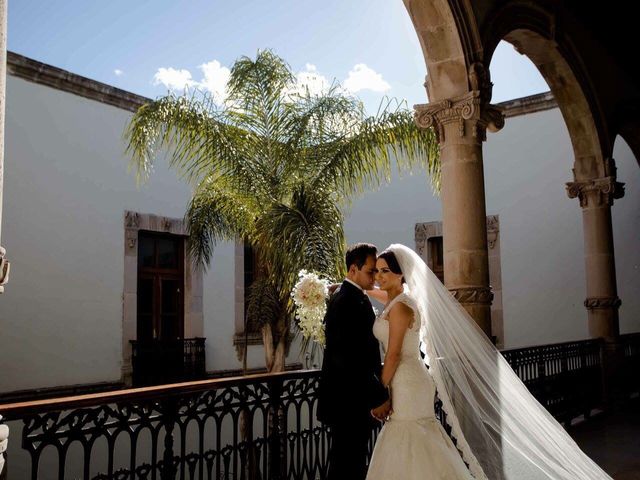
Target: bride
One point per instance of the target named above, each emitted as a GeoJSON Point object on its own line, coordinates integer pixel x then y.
{"type": "Point", "coordinates": [501, 431]}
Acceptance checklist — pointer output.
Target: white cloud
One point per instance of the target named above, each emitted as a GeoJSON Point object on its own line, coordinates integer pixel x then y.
{"type": "Point", "coordinates": [362, 77]}
{"type": "Point", "coordinates": [118, 72]}
{"type": "Point", "coordinates": [309, 79]}
{"type": "Point", "coordinates": [215, 79]}
{"type": "Point", "coordinates": [173, 79]}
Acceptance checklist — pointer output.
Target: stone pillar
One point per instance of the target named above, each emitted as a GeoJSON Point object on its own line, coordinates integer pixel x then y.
{"type": "Point", "coordinates": [602, 302]}
{"type": "Point", "coordinates": [4, 265]}
{"type": "Point", "coordinates": [460, 124]}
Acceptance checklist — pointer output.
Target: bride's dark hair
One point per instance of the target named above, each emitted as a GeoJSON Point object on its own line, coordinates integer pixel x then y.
{"type": "Point", "coordinates": [390, 257]}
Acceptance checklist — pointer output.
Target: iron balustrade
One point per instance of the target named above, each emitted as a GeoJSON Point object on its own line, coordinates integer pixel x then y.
{"type": "Point", "coordinates": [166, 361]}
{"type": "Point", "coordinates": [565, 377]}
{"type": "Point", "coordinates": [630, 376]}
{"type": "Point", "coordinates": [252, 427]}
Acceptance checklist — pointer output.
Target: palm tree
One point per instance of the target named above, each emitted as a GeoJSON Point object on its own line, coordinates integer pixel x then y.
{"type": "Point", "coordinates": [274, 166]}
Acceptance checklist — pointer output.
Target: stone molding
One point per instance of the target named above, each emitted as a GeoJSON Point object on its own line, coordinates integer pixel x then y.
{"type": "Point", "coordinates": [525, 105]}
{"type": "Point", "coordinates": [463, 110]}
{"type": "Point", "coordinates": [43, 74]}
{"type": "Point", "coordinates": [423, 232]}
{"type": "Point", "coordinates": [240, 340]}
{"type": "Point", "coordinates": [54, 77]}
{"type": "Point", "coordinates": [193, 281]}
{"type": "Point", "coordinates": [599, 192]}
{"type": "Point", "coordinates": [468, 295]}
{"type": "Point", "coordinates": [592, 303]}
{"type": "Point", "coordinates": [473, 295]}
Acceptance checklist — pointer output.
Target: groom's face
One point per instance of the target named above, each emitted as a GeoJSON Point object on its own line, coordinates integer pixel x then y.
{"type": "Point", "coordinates": [366, 276]}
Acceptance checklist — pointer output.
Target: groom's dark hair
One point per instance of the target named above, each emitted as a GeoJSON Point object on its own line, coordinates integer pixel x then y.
{"type": "Point", "coordinates": [358, 253]}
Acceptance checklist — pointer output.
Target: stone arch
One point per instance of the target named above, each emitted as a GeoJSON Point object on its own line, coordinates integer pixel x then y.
{"type": "Point", "coordinates": [532, 30]}
{"type": "Point", "coordinates": [450, 43]}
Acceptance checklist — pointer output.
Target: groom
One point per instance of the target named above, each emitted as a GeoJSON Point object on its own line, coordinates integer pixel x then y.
{"type": "Point", "coordinates": [350, 390]}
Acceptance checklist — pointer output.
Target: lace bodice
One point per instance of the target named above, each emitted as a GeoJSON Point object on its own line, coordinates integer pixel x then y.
{"type": "Point", "coordinates": [412, 388]}
{"type": "Point", "coordinates": [411, 342]}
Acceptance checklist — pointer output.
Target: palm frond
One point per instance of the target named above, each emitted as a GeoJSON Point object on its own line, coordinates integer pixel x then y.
{"type": "Point", "coordinates": [306, 234]}
{"type": "Point", "coordinates": [196, 134]}
{"type": "Point", "coordinates": [364, 160]}
{"type": "Point", "coordinates": [217, 212]}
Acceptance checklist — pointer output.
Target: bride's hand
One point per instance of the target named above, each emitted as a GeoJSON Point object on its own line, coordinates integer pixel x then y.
{"type": "Point", "coordinates": [379, 295]}
{"type": "Point", "coordinates": [382, 412]}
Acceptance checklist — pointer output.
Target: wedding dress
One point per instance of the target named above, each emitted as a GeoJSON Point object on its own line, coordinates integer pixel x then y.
{"type": "Point", "coordinates": [412, 444]}
{"type": "Point", "coordinates": [501, 430]}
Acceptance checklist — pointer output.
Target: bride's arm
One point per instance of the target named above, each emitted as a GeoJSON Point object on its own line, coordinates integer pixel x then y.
{"type": "Point", "coordinates": [379, 295]}
{"type": "Point", "coordinates": [400, 317]}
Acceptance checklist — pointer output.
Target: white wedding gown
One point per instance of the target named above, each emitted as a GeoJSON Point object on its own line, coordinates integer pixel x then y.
{"type": "Point", "coordinates": [412, 444]}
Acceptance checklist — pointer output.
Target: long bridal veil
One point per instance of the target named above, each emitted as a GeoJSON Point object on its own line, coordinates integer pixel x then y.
{"type": "Point", "coordinates": [500, 428]}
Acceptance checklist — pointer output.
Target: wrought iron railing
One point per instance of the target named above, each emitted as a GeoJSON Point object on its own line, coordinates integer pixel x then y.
{"type": "Point", "coordinates": [565, 377]}
{"type": "Point", "coordinates": [630, 378]}
{"type": "Point", "coordinates": [156, 362]}
{"type": "Point", "coordinates": [260, 426]}
{"type": "Point", "coordinates": [253, 427]}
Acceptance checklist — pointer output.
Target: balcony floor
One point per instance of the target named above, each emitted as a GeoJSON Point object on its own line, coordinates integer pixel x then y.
{"type": "Point", "coordinates": [613, 441]}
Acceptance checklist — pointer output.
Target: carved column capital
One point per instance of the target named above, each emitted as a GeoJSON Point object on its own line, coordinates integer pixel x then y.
{"type": "Point", "coordinates": [468, 112]}
{"type": "Point", "coordinates": [599, 192]}
{"type": "Point", "coordinates": [602, 302]}
{"type": "Point", "coordinates": [473, 295]}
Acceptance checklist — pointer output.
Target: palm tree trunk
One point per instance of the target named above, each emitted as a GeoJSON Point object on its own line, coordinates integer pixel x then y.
{"type": "Point", "coordinates": [275, 354]}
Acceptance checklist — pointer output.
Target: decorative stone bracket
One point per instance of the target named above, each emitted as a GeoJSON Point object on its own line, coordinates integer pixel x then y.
{"type": "Point", "coordinates": [493, 229]}
{"type": "Point", "coordinates": [599, 192]}
{"type": "Point", "coordinates": [4, 269]}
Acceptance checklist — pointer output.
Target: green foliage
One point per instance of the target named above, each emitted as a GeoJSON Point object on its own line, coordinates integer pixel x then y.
{"type": "Point", "coordinates": [275, 165]}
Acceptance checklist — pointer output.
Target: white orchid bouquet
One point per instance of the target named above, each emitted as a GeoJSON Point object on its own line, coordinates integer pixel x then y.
{"type": "Point", "coordinates": [310, 295]}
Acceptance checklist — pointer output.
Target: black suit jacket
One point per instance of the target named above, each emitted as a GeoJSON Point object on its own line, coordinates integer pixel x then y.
{"type": "Point", "coordinates": [350, 378]}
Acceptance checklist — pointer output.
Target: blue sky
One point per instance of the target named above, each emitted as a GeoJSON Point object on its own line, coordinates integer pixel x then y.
{"type": "Point", "coordinates": [368, 44]}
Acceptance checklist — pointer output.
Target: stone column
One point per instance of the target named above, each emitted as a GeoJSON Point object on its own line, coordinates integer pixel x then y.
{"type": "Point", "coordinates": [602, 302]}
{"type": "Point", "coordinates": [4, 265]}
{"type": "Point", "coordinates": [460, 124]}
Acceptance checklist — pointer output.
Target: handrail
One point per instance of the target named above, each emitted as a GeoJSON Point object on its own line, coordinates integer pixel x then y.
{"type": "Point", "coordinates": [15, 411]}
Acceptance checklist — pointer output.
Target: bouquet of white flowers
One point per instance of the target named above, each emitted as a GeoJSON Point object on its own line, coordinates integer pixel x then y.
{"type": "Point", "coordinates": [310, 297]}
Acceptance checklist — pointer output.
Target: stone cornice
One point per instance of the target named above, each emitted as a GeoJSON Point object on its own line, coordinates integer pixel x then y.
{"type": "Point", "coordinates": [596, 193]}
{"type": "Point", "coordinates": [525, 105]}
{"type": "Point", "coordinates": [43, 74]}
{"type": "Point", "coordinates": [460, 110]}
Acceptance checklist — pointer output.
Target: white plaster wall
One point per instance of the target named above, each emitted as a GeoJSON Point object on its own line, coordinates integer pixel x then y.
{"type": "Point", "coordinates": [389, 214]}
{"type": "Point", "coordinates": [626, 237]}
{"type": "Point", "coordinates": [66, 190]}
{"type": "Point", "coordinates": [526, 167]}
{"type": "Point", "coordinates": [67, 186]}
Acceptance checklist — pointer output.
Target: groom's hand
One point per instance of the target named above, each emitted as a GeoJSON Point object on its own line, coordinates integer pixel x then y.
{"type": "Point", "coordinates": [383, 411]}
